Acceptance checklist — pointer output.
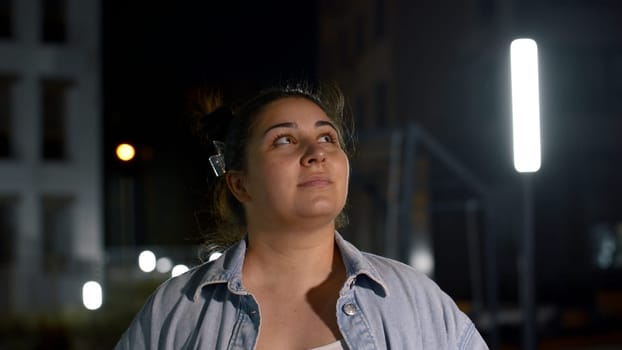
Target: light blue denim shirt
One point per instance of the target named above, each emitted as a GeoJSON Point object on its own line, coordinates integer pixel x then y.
{"type": "Point", "coordinates": [383, 304]}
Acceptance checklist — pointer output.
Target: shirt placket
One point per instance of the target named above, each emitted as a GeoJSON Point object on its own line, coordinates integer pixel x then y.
{"type": "Point", "coordinates": [352, 323]}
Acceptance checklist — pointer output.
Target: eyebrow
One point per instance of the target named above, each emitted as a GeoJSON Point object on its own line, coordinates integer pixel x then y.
{"type": "Point", "coordinates": [318, 124]}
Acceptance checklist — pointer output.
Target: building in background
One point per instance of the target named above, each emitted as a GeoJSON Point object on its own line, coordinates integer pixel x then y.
{"type": "Point", "coordinates": [391, 58]}
{"type": "Point", "coordinates": [51, 228]}
{"type": "Point", "coordinates": [444, 65]}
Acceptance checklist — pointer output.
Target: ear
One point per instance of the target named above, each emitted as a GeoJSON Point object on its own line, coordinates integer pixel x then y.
{"type": "Point", "coordinates": [235, 182]}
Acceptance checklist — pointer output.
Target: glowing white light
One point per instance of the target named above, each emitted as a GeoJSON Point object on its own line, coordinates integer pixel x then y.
{"type": "Point", "coordinates": [214, 256]}
{"type": "Point", "coordinates": [147, 261]}
{"type": "Point", "coordinates": [179, 269]}
{"type": "Point", "coordinates": [525, 105]}
{"type": "Point", "coordinates": [92, 295]}
{"type": "Point", "coordinates": [422, 260]}
{"type": "Point", "coordinates": [164, 265]}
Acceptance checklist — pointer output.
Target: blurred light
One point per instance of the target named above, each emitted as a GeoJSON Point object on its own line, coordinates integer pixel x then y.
{"type": "Point", "coordinates": [178, 270]}
{"type": "Point", "coordinates": [164, 265]}
{"type": "Point", "coordinates": [421, 259]}
{"type": "Point", "coordinates": [147, 261]}
{"type": "Point", "coordinates": [525, 105]}
{"type": "Point", "coordinates": [604, 244]}
{"type": "Point", "coordinates": [92, 295]}
{"type": "Point", "coordinates": [214, 256]}
{"type": "Point", "coordinates": [125, 152]}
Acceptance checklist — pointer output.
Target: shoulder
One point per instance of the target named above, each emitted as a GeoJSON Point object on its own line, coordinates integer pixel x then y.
{"type": "Point", "coordinates": [404, 281]}
{"type": "Point", "coordinates": [172, 297]}
{"type": "Point", "coordinates": [220, 272]}
{"type": "Point", "coordinates": [408, 286]}
{"type": "Point", "coordinates": [431, 310]}
{"type": "Point", "coordinates": [175, 291]}
{"type": "Point", "coordinates": [396, 273]}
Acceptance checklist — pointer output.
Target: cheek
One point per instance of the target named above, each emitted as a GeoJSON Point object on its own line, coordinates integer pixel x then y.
{"type": "Point", "coordinates": [344, 170]}
{"type": "Point", "coordinates": [271, 176]}
{"type": "Point", "coordinates": [345, 164]}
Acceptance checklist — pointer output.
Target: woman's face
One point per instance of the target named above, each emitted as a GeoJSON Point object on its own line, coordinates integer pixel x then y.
{"type": "Point", "coordinates": [297, 172]}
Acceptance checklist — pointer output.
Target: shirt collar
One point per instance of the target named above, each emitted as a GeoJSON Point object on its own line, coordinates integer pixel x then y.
{"type": "Point", "coordinates": [357, 264]}
{"type": "Point", "coordinates": [228, 269]}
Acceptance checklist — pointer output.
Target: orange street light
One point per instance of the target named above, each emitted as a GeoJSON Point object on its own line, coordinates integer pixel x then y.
{"type": "Point", "coordinates": [125, 152]}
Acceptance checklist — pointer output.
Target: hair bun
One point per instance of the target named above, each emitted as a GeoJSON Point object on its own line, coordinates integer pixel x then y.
{"type": "Point", "coordinates": [216, 123]}
{"type": "Point", "coordinates": [211, 118]}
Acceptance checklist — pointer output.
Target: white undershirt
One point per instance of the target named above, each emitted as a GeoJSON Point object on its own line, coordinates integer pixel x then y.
{"type": "Point", "coordinates": [338, 345]}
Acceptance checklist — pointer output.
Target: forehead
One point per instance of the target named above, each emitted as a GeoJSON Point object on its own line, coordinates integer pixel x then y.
{"type": "Point", "coordinates": [289, 109]}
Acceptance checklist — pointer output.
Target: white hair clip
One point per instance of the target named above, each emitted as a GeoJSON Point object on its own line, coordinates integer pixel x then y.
{"type": "Point", "coordinates": [217, 161]}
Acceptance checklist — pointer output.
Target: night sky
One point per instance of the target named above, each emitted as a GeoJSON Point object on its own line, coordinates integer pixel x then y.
{"type": "Point", "coordinates": [154, 52]}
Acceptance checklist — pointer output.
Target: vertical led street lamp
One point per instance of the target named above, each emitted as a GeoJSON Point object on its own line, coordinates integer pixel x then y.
{"type": "Point", "coordinates": [525, 105]}
{"type": "Point", "coordinates": [527, 159]}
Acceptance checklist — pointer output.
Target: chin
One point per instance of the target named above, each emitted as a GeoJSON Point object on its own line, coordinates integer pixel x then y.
{"type": "Point", "coordinates": [328, 214]}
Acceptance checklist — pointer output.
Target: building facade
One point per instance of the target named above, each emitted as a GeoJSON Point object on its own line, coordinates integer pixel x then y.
{"type": "Point", "coordinates": [51, 227]}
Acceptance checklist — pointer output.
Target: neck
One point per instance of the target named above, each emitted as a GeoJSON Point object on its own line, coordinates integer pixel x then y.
{"type": "Point", "coordinates": [295, 257]}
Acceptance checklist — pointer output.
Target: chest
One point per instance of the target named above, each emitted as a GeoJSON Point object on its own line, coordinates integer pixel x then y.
{"type": "Point", "coordinates": [296, 321]}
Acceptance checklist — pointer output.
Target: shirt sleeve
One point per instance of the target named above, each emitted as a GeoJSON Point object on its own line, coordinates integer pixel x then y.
{"type": "Point", "coordinates": [471, 339]}
{"type": "Point", "coordinates": [139, 333]}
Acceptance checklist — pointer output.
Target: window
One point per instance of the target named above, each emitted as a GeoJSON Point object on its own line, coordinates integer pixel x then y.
{"type": "Point", "coordinates": [57, 232]}
{"type": "Point", "coordinates": [6, 24]}
{"type": "Point", "coordinates": [5, 116]}
{"type": "Point", "coordinates": [54, 21]}
{"type": "Point", "coordinates": [7, 229]}
{"type": "Point", "coordinates": [54, 95]}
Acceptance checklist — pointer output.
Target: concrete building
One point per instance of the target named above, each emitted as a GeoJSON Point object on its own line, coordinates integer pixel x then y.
{"type": "Point", "coordinates": [51, 228]}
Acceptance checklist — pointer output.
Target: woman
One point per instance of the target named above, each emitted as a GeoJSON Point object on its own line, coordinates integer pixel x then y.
{"type": "Point", "coordinates": [289, 280]}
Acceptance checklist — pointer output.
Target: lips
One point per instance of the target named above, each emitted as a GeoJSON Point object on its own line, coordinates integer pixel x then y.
{"type": "Point", "coordinates": [315, 181]}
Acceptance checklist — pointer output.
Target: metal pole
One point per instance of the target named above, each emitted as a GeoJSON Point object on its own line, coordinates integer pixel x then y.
{"type": "Point", "coordinates": [528, 281]}
{"type": "Point", "coordinates": [473, 241]}
{"type": "Point", "coordinates": [491, 273]}
{"type": "Point", "coordinates": [393, 193]}
{"type": "Point", "coordinates": [407, 188]}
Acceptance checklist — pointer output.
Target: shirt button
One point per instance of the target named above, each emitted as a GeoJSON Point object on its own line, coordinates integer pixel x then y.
{"type": "Point", "coordinates": [349, 309]}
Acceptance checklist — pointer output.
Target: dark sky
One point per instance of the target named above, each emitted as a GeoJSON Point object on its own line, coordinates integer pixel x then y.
{"type": "Point", "coordinates": [154, 51]}
{"type": "Point", "coordinates": [152, 54]}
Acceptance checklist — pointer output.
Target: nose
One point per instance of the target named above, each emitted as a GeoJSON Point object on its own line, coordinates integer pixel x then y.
{"type": "Point", "coordinates": [313, 154]}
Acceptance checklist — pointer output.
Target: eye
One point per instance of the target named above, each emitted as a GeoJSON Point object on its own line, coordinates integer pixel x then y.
{"type": "Point", "coordinates": [327, 138]}
{"type": "Point", "coordinates": [283, 140]}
